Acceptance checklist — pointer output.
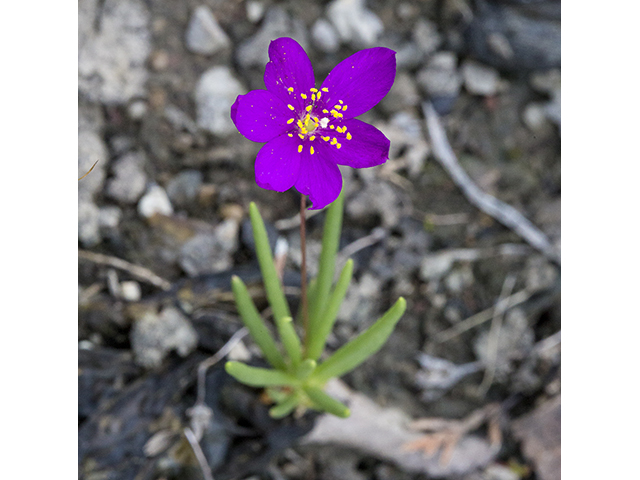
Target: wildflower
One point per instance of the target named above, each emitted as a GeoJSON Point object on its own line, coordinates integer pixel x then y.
{"type": "Point", "coordinates": [310, 131]}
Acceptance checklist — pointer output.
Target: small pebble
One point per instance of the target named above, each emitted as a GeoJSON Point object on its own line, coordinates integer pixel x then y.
{"type": "Point", "coordinates": [153, 202]}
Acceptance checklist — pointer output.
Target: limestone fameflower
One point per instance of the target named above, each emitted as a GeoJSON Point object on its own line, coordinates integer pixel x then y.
{"type": "Point", "coordinates": [310, 131]}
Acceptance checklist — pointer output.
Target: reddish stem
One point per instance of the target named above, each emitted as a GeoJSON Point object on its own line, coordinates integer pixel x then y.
{"type": "Point", "coordinates": [303, 269]}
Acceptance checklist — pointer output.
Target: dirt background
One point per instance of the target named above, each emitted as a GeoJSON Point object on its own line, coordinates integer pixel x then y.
{"type": "Point", "coordinates": [169, 197]}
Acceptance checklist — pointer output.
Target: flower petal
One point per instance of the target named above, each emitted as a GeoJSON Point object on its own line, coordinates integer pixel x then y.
{"type": "Point", "coordinates": [278, 164]}
{"type": "Point", "coordinates": [320, 177]}
{"type": "Point", "coordinates": [361, 80]}
{"type": "Point", "coordinates": [289, 67]}
{"type": "Point", "coordinates": [366, 146]}
{"type": "Point", "coordinates": [260, 115]}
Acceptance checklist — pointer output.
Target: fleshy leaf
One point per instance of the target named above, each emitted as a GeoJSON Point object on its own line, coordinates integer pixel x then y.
{"type": "Point", "coordinates": [330, 312]}
{"type": "Point", "coordinates": [285, 407]}
{"type": "Point", "coordinates": [325, 402]}
{"type": "Point", "coordinates": [254, 323]}
{"type": "Point", "coordinates": [272, 285]}
{"type": "Point", "coordinates": [349, 356]}
{"type": "Point", "coordinates": [290, 340]}
{"type": "Point", "coordinates": [259, 377]}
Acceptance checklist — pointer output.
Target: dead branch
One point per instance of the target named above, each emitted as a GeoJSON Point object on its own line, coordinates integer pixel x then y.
{"type": "Point", "coordinates": [502, 212]}
{"type": "Point", "coordinates": [141, 273]}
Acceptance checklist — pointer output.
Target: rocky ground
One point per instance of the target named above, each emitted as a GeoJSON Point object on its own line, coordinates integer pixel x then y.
{"type": "Point", "coordinates": [163, 224]}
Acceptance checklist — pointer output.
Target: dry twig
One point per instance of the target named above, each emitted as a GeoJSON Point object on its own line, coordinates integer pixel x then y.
{"type": "Point", "coordinates": [197, 450]}
{"type": "Point", "coordinates": [141, 273]}
{"type": "Point", "coordinates": [502, 212]}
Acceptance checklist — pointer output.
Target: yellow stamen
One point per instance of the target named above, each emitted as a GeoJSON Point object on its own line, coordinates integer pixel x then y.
{"type": "Point", "coordinates": [301, 136]}
{"type": "Point", "coordinates": [349, 137]}
{"type": "Point", "coordinates": [334, 140]}
{"type": "Point", "coordinates": [290, 89]}
{"type": "Point", "coordinates": [311, 150]}
{"type": "Point", "coordinates": [344, 108]}
{"type": "Point", "coordinates": [319, 94]}
{"type": "Point", "coordinates": [308, 108]}
{"type": "Point", "coordinates": [290, 134]}
{"type": "Point", "coordinates": [332, 127]}
{"type": "Point", "coordinates": [337, 107]}
{"type": "Point", "coordinates": [290, 107]}
{"type": "Point", "coordinates": [325, 89]}
{"type": "Point", "coordinates": [313, 97]}
{"type": "Point", "coordinates": [300, 124]}
{"type": "Point", "coordinates": [340, 102]}
{"type": "Point", "coordinates": [325, 111]}
{"type": "Point", "coordinates": [303, 96]}
{"type": "Point", "coordinates": [338, 145]}
{"type": "Point", "coordinates": [290, 121]}
{"type": "Point", "coordinates": [314, 90]}
{"type": "Point", "coordinates": [312, 138]}
{"type": "Point", "coordinates": [326, 139]}
{"type": "Point", "coordinates": [299, 148]}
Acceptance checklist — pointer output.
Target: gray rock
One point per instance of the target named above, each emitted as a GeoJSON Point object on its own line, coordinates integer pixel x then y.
{"type": "Point", "coordinates": [355, 24]}
{"type": "Point", "coordinates": [204, 34]}
{"type": "Point", "coordinates": [91, 149]}
{"type": "Point", "coordinates": [211, 251]}
{"type": "Point", "coordinates": [549, 82]}
{"type": "Point", "coordinates": [324, 36]}
{"type": "Point", "coordinates": [375, 197]}
{"type": "Point", "coordinates": [114, 43]}
{"type": "Point", "coordinates": [215, 93]}
{"type": "Point", "coordinates": [153, 336]}
{"type": "Point", "coordinates": [154, 201]}
{"type": "Point", "coordinates": [254, 52]}
{"type": "Point", "coordinates": [408, 56]}
{"type": "Point", "coordinates": [109, 217]}
{"type": "Point", "coordinates": [534, 116]}
{"type": "Point", "coordinates": [425, 35]}
{"type": "Point", "coordinates": [360, 301]}
{"type": "Point", "coordinates": [130, 180]}
{"type": "Point", "coordinates": [88, 224]}
{"type": "Point", "coordinates": [403, 94]}
{"type": "Point", "coordinates": [440, 77]}
{"type": "Point", "coordinates": [480, 79]}
{"type": "Point", "coordinates": [183, 188]}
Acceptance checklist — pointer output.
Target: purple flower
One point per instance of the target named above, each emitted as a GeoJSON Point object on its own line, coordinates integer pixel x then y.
{"type": "Point", "coordinates": [310, 131]}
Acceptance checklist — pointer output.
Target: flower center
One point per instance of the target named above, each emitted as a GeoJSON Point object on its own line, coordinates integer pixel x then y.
{"type": "Point", "coordinates": [308, 124]}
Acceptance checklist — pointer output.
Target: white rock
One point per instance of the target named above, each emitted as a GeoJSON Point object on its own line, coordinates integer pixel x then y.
{"type": "Point", "coordinates": [255, 11]}
{"type": "Point", "coordinates": [130, 291]}
{"type": "Point", "coordinates": [425, 35]}
{"type": "Point", "coordinates": [440, 77]}
{"type": "Point", "coordinates": [204, 34]}
{"type": "Point", "coordinates": [355, 24]}
{"type": "Point", "coordinates": [154, 201]}
{"type": "Point", "coordinates": [88, 225]}
{"type": "Point", "coordinates": [480, 79]}
{"type": "Point", "coordinates": [215, 93]}
{"type": "Point", "coordinates": [324, 36]}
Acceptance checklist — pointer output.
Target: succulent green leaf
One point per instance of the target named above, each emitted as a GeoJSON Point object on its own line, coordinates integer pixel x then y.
{"type": "Point", "coordinates": [326, 267]}
{"type": "Point", "coordinates": [255, 324]}
{"type": "Point", "coordinates": [290, 340]}
{"type": "Point", "coordinates": [285, 407]}
{"type": "Point", "coordinates": [355, 352]}
{"type": "Point", "coordinates": [319, 336]}
{"type": "Point", "coordinates": [259, 377]}
{"type": "Point", "coordinates": [272, 284]}
{"type": "Point", "coordinates": [322, 401]}
{"type": "Point", "coordinates": [306, 368]}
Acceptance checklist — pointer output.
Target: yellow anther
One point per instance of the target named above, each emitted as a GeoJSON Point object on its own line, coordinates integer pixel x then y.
{"type": "Point", "coordinates": [303, 96]}
{"type": "Point", "coordinates": [349, 137]}
{"type": "Point", "coordinates": [301, 136]}
{"type": "Point", "coordinates": [340, 102]}
{"type": "Point", "coordinates": [344, 108]}
{"type": "Point", "coordinates": [332, 127]}
{"type": "Point", "coordinates": [290, 89]}
{"type": "Point", "coordinates": [313, 97]}
{"type": "Point", "coordinates": [300, 124]}
{"type": "Point", "coordinates": [314, 90]}
{"type": "Point", "coordinates": [334, 140]}
{"type": "Point", "coordinates": [299, 148]}
{"type": "Point", "coordinates": [326, 139]}
{"type": "Point", "coordinates": [325, 89]}
{"type": "Point", "coordinates": [319, 93]}
{"type": "Point", "coordinates": [338, 107]}
{"type": "Point", "coordinates": [290, 121]}
{"type": "Point", "coordinates": [312, 138]}
{"type": "Point", "coordinates": [338, 145]}
{"type": "Point", "coordinates": [325, 111]}
{"type": "Point", "coordinates": [311, 150]}
{"type": "Point", "coordinates": [336, 114]}
{"type": "Point", "coordinates": [290, 107]}
{"type": "Point", "coordinates": [290, 134]}
{"type": "Point", "coordinates": [308, 108]}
